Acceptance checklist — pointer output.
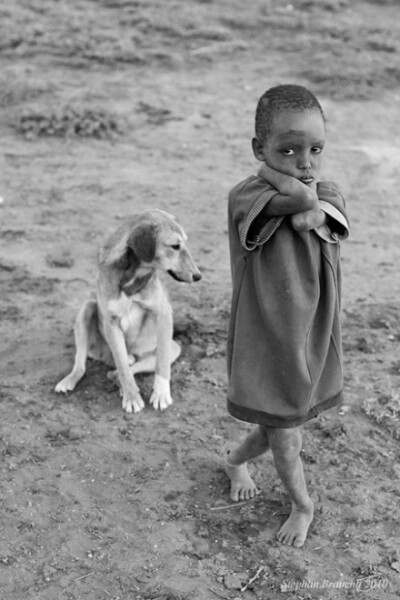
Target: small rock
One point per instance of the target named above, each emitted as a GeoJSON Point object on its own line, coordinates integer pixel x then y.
{"type": "Point", "coordinates": [203, 531]}
{"type": "Point", "coordinates": [364, 345]}
{"type": "Point", "coordinates": [48, 571]}
{"type": "Point", "coordinates": [235, 581]}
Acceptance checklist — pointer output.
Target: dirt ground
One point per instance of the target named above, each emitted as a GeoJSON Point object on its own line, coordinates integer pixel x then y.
{"type": "Point", "coordinates": [112, 106]}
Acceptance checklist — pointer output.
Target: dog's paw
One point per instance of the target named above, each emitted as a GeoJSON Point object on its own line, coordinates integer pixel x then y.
{"type": "Point", "coordinates": [65, 385]}
{"type": "Point", "coordinates": [132, 401]}
{"type": "Point", "coordinates": [161, 396]}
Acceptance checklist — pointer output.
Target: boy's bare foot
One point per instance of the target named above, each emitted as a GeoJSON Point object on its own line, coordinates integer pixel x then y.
{"type": "Point", "coordinates": [294, 531]}
{"type": "Point", "coordinates": [242, 485]}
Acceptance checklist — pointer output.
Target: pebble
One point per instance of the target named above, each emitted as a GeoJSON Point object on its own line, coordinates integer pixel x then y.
{"type": "Point", "coordinates": [61, 259]}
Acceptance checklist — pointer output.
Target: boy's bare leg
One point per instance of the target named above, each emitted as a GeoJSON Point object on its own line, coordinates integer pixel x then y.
{"type": "Point", "coordinates": [286, 445]}
{"type": "Point", "coordinates": [242, 485]}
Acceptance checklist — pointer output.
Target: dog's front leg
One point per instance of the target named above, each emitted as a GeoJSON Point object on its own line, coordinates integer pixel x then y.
{"type": "Point", "coordinates": [161, 396]}
{"type": "Point", "coordinates": [131, 398]}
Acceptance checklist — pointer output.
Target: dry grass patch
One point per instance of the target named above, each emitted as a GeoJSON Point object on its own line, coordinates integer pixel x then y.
{"type": "Point", "coordinates": [70, 121]}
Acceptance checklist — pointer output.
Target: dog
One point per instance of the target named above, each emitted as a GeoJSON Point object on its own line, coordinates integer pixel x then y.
{"type": "Point", "coordinates": [130, 325]}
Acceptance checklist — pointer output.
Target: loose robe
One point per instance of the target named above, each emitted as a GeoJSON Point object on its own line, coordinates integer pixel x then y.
{"type": "Point", "coordinates": [284, 353]}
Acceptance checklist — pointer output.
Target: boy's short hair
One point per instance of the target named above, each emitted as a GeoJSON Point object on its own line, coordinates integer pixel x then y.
{"type": "Point", "coordinates": [280, 98]}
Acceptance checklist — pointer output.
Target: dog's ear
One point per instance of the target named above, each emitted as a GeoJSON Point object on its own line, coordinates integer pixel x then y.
{"type": "Point", "coordinates": [143, 241]}
{"type": "Point", "coordinates": [140, 238]}
{"type": "Point", "coordinates": [115, 248]}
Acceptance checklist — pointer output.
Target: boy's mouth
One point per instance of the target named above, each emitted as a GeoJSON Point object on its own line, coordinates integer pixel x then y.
{"type": "Point", "coordinates": [307, 180]}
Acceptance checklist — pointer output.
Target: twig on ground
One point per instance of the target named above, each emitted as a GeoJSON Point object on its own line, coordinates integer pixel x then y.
{"type": "Point", "coordinates": [84, 576]}
{"type": "Point", "coordinates": [256, 576]}
{"type": "Point", "coordinates": [231, 505]}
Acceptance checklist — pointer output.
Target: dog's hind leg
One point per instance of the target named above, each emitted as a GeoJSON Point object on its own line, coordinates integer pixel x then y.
{"type": "Point", "coordinates": [85, 320]}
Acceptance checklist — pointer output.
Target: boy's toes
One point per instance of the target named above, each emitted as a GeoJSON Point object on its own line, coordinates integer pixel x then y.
{"type": "Point", "coordinates": [298, 542]}
{"type": "Point", "coordinates": [242, 485]}
{"type": "Point", "coordinates": [234, 495]}
{"type": "Point", "coordinates": [285, 538]}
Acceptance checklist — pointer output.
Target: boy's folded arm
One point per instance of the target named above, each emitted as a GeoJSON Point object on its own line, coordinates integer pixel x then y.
{"type": "Point", "coordinates": [292, 195]}
{"type": "Point", "coordinates": [282, 205]}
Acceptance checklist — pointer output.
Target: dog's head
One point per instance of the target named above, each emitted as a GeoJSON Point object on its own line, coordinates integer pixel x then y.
{"type": "Point", "coordinates": [153, 240]}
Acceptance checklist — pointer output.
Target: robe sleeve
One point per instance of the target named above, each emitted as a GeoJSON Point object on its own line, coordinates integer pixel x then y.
{"type": "Point", "coordinates": [332, 203]}
{"type": "Point", "coordinates": [254, 228]}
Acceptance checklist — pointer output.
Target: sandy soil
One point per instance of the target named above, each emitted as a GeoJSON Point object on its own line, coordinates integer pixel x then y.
{"type": "Point", "coordinates": [112, 106]}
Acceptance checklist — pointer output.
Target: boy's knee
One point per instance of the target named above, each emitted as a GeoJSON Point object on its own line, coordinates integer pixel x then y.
{"type": "Point", "coordinates": [285, 443]}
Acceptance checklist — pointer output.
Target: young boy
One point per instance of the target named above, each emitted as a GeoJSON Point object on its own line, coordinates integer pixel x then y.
{"type": "Point", "coordinates": [284, 342]}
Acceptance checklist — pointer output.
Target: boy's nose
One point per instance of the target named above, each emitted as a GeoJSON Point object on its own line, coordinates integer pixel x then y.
{"type": "Point", "coordinates": [304, 161]}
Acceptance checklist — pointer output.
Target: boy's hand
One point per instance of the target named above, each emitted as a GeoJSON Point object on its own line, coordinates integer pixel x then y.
{"type": "Point", "coordinates": [308, 220]}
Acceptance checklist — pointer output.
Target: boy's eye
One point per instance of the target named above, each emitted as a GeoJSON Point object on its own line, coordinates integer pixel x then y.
{"type": "Point", "coordinates": [288, 152]}
{"type": "Point", "coordinates": [316, 150]}
{"type": "Point", "coordinates": [176, 246]}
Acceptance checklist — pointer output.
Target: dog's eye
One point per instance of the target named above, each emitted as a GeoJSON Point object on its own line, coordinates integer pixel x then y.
{"type": "Point", "coordinates": [176, 246]}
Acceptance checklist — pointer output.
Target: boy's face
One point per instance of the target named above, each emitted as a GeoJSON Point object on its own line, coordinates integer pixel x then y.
{"type": "Point", "coordinates": [295, 144]}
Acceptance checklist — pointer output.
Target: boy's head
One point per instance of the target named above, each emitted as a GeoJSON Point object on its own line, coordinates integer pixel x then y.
{"type": "Point", "coordinates": [290, 132]}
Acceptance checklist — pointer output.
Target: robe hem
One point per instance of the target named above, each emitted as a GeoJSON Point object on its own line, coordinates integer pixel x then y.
{"type": "Point", "coordinates": [268, 420]}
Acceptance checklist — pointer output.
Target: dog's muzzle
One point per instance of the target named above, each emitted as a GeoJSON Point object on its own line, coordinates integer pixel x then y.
{"type": "Point", "coordinates": [184, 277]}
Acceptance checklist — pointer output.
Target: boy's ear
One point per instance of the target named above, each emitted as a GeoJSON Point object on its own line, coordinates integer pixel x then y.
{"type": "Point", "coordinates": [257, 149]}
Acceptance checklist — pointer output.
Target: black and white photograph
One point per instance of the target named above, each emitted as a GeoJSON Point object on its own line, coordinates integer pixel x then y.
{"type": "Point", "coordinates": [199, 300]}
